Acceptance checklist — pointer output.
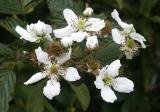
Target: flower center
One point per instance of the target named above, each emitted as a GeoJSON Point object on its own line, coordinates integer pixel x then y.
{"type": "Point", "coordinates": [80, 24]}
{"type": "Point", "coordinates": [108, 80]}
{"type": "Point", "coordinates": [53, 69]}
{"type": "Point", "coordinates": [131, 43]}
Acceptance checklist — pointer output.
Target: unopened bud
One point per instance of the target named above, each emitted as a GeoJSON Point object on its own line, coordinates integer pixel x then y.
{"type": "Point", "coordinates": [25, 52]}
{"type": "Point", "coordinates": [40, 28]}
{"type": "Point", "coordinates": [88, 11]}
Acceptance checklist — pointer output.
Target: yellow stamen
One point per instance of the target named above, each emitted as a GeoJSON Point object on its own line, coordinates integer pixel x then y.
{"type": "Point", "coordinates": [80, 24]}
{"type": "Point", "coordinates": [53, 69]}
{"type": "Point", "coordinates": [108, 80]}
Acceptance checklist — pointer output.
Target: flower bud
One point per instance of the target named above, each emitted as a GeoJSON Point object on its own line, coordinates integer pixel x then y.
{"type": "Point", "coordinates": [25, 52]}
{"type": "Point", "coordinates": [88, 11]}
{"type": "Point", "coordinates": [40, 28]}
{"type": "Point", "coordinates": [92, 42]}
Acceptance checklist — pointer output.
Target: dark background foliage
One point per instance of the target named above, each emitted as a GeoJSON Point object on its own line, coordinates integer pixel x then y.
{"type": "Point", "coordinates": [15, 67]}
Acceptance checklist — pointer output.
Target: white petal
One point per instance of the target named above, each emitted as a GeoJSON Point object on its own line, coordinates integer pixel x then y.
{"type": "Point", "coordinates": [63, 32]}
{"type": "Point", "coordinates": [36, 77]}
{"type": "Point", "coordinates": [113, 68]}
{"type": "Point", "coordinates": [52, 89]}
{"type": "Point", "coordinates": [128, 29]}
{"type": "Point", "coordinates": [69, 16]}
{"type": "Point", "coordinates": [117, 36]}
{"type": "Point", "coordinates": [99, 83]}
{"type": "Point", "coordinates": [71, 74]}
{"type": "Point", "coordinates": [123, 85]}
{"type": "Point", "coordinates": [103, 71]}
{"type": "Point", "coordinates": [48, 32]}
{"type": "Point", "coordinates": [78, 36]}
{"type": "Point", "coordinates": [115, 15]}
{"type": "Point", "coordinates": [94, 24]}
{"type": "Point", "coordinates": [139, 38]}
{"type": "Point", "coordinates": [24, 34]}
{"type": "Point", "coordinates": [66, 41]}
{"type": "Point", "coordinates": [48, 37]}
{"type": "Point", "coordinates": [108, 94]}
{"type": "Point", "coordinates": [42, 56]}
{"type": "Point", "coordinates": [49, 29]}
{"type": "Point", "coordinates": [30, 28]}
{"type": "Point", "coordinates": [92, 42]}
{"type": "Point", "coordinates": [64, 57]}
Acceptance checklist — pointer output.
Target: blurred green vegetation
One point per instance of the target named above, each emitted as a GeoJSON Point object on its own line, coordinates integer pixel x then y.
{"type": "Point", "coordinates": [15, 68]}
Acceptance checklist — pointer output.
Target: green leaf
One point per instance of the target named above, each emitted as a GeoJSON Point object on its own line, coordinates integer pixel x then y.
{"type": "Point", "coordinates": [56, 8]}
{"type": "Point", "coordinates": [82, 94]}
{"type": "Point", "coordinates": [147, 31]}
{"type": "Point", "coordinates": [155, 19]}
{"type": "Point", "coordinates": [108, 54]}
{"type": "Point", "coordinates": [35, 99]}
{"type": "Point", "coordinates": [49, 107]}
{"type": "Point", "coordinates": [63, 98]}
{"type": "Point", "coordinates": [5, 50]}
{"type": "Point", "coordinates": [120, 3]}
{"type": "Point", "coordinates": [10, 24]}
{"type": "Point", "coordinates": [132, 105]}
{"type": "Point", "coordinates": [146, 6]}
{"type": "Point", "coordinates": [18, 6]}
{"type": "Point", "coordinates": [146, 71]}
{"type": "Point", "coordinates": [7, 83]}
{"type": "Point", "coordinates": [15, 108]}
